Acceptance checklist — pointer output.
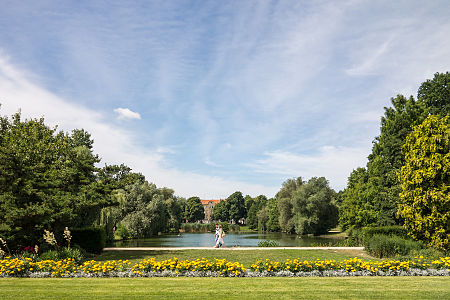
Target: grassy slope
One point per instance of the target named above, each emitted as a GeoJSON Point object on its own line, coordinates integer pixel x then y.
{"type": "Point", "coordinates": [246, 257]}
{"type": "Point", "coordinates": [228, 288]}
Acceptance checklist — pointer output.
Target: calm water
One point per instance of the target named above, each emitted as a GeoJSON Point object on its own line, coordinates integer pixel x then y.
{"type": "Point", "coordinates": [231, 240]}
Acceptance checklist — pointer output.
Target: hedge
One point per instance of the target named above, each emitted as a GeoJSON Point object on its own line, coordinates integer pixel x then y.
{"type": "Point", "coordinates": [91, 239]}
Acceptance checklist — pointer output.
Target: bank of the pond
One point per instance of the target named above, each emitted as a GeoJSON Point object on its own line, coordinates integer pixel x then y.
{"type": "Point", "coordinates": [232, 239]}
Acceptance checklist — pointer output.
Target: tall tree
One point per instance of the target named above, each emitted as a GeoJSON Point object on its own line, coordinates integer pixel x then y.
{"type": "Point", "coordinates": [258, 204]}
{"type": "Point", "coordinates": [194, 210]}
{"type": "Point", "coordinates": [425, 178]}
{"type": "Point", "coordinates": [273, 223]}
{"type": "Point", "coordinates": [47, 179]}
{"type": "Point", "coordinates": [285, 207]}
{"type": "Point", "coordinates": [435, 93]}
{"type": "Point", "coordinates": [374, 194]}
{"type": "Point", "coordinates": [236, 204]}
{"type": "Point", "coordinates": [221, 211]}
{"type": "Point", "coordinates": [314, 209]}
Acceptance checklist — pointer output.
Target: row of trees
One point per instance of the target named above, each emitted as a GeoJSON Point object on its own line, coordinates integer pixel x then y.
{"type": "Point", "coordinates": [406, 179]}
{"type": "Point", "coordinates": [302, 207]}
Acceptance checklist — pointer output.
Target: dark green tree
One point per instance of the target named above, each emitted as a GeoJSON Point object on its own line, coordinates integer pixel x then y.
{"type": "Point", "coordinates": [258, 204]}
{"type": "Point", "coordinates": [373, 194]}
{"type": "Point", "coordinates": [47, 180]}
{"type": "Point", "coordinates": [236, 204]}
{"type": "Point", "coordinates": [273, 223]}
{"type": "Point", "coordinates": [221, 211]}
{"type": "Point", "coordinates": [435, 93]}
{"type": "Point", "coordinates": [194, 210]}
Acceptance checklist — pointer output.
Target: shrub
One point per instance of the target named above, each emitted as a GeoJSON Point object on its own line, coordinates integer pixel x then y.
{"type": "Point", "coordinates": [91, 239]}
{"type": "Point", "coordinates": [268, 244]}
{"type": "Point", "coordinates": [123, 232]}
{"type": "Point", "coordinates": [380, 246]}
{"type": "Point", "coordinates": [50, 255]}
{"type": "Point", "coordinates": [73, 253]}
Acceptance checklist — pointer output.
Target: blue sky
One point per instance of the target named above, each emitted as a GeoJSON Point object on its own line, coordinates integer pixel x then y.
{"type": "Point", "coordinates": [210, 97]}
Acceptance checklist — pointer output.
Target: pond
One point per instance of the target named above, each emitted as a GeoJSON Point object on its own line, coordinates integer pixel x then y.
{"type": "Point", "coordinates": [232, 239]}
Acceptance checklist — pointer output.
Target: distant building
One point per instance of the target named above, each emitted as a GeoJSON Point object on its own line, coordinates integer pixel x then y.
{"type": "Point", "coordinates": [208, 206]}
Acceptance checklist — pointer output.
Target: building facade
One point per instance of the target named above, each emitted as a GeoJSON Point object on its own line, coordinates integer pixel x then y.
{"type": "Point", "coordinates": [208, 206]}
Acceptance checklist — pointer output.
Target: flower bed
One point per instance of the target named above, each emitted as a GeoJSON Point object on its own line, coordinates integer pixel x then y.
{"type": "Point", "coordinates": [27, 267]}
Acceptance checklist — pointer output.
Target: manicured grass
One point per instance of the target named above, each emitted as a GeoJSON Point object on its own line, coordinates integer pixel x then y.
{"type": "Point", "coordinates": [246, 257]}
{"type": "Point", "coordinates": [227, 288]}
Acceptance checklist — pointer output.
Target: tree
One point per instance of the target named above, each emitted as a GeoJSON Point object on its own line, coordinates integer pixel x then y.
{"type": "Point", "coordinates": [194, 210]}
{"type": "Point", "coordinates": [285, 207]}
{"type": "Point", "coordinates": [357, 208]}
{"type": "Point", "coordinates": [314, 209]}
{"type": "Point", "coordinates": [371, 196]}
{"type": "Point", "coordinates": [435, 93]}
{"type": "Point", "coordinates": [425, 177]}
{"type": "Point", "coordinates": [273, 223]}
{"type": "Point", "coordinates": [236, 205]}
{"type": "Point", "coordinates": [258, 204]}
{"type": "Point", "coordinates": [47, 180]}
{"type": "Point", "coordinates": [221, 211]}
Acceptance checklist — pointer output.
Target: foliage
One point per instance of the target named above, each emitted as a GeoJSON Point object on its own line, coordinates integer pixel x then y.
{"type": "Point", "coordinates": [91, 239]}
{"type": "Point", "coordinates": [435, 93]}
{"type": "Point", "coordinates": [143, 211]}
{"type": "Point", "coordinates": [194, 210]}
{"type": "Point", "coordinates": [310, 206]}
{"type": "Point", "coordinates": [273, 223]}
{"type": "Point", "coordinates": [236, 206]}
{"type": "Point", "coordinates": [47, 179]}
{"type": "Point", "coordinates": [357, 209]}
{"type": "Point", "coordinates": [268, 244]}
{"type": "Point", "coordinates": [221, 211]}
{"type": "Point", "coordinates": [285, 206]}
{"type": "Point", "coordinates": [368, 232]}
{"type": "Point", "coordinates": [122, 232]}
{"type": "Point", "coordinates": [74, 254]}
{"type": "Point", "coordinates": [425, 177]}
{"type": "Point", "coordinates": [257, 204]}
{"type": "Point", "coordinates": [380, 245]}
{"type": "Point", "coordinates": [371, 197]}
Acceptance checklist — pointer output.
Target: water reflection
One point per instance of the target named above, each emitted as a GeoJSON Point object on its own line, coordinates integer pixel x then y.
{"type": "Point", "coordinates": [231, 240]}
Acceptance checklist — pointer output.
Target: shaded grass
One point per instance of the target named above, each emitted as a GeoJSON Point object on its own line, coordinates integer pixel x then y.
{"type": "Point", "coordinates": [246, 257]}
{"type": "Point", "coordinates": [227, 288]}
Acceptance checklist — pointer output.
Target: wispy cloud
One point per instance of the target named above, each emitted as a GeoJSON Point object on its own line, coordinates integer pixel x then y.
{"type": "Point", "coordinates": [334, 163]}
{"type": "Point", "coordinates": [125, 113]}
{"type": "Point", "coordinates": [113, 144]}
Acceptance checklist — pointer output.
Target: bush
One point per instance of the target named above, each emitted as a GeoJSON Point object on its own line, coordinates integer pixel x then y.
{"type": "Point", "coordinates": [50, 255]}
{"type": "Point", "coordinates": [91, 239]}
{"type": "Point", "coordinates": [268, 244]}
{"type": "Point", "coordinates": [380, 246]}
{"type": "Point", "coordinates": [63, 253]}
{"type": "Point", "coordinates": [122, 232]}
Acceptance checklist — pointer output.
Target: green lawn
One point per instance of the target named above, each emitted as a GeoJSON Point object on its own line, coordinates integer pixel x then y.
{"type": "Point", "coordinates": [246, 257]}
{"type": "Point", "coordinates": [227, 288]}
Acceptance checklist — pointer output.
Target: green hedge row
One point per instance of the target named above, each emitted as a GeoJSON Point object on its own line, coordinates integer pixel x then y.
{"type": "Point", "coordinates": [91, 239]}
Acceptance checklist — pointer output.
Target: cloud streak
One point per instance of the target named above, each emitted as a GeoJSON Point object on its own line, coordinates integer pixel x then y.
{"type": "Point", "coordinates": [113, 144]}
